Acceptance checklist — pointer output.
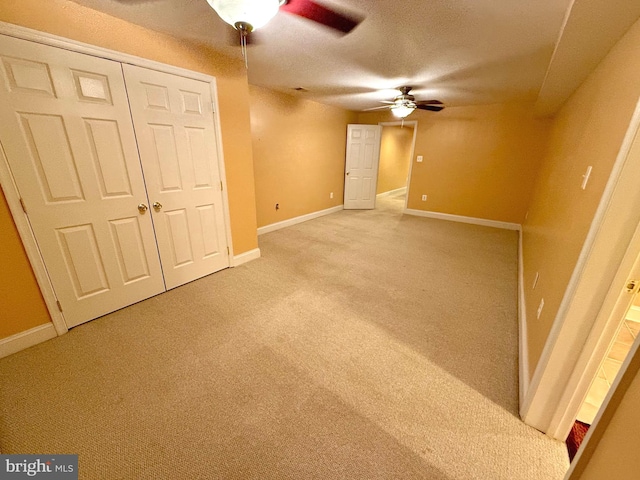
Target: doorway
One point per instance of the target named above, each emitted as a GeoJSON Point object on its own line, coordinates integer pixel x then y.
{"type": "Point", "coordinates": [396, 152]}
{"type": "Point", "coordinates": [626, 332]}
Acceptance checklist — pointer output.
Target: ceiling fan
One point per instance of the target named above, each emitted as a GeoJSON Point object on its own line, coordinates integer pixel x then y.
{"type": "Point", "coordinates": [405, 103]}
{"type": "Point", "coordinates": [249, 15]}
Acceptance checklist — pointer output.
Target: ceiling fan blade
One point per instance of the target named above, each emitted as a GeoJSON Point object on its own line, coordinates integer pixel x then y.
{"type": "Point", "coordinates": [376, 108]}
{"type": "Point", "coordinates": [431, 108]}
{"type": "Point", "coordinates": [320, 14]}
{"type": "Point", "coordinates": [387, 102]}
{"type": "Point", "coordinates": [428, 102]}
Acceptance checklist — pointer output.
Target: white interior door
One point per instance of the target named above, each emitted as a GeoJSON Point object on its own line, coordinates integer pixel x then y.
{"type": "Point", "coordinates": [66, 130]}
{"type": "Point", "coordinates": [174, 124]}
{"type": "Point", "coordinates": [361, 166]}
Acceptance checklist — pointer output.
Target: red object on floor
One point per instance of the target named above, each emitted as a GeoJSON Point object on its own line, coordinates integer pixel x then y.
{"type": "Point", "coordinates": [575, 438]}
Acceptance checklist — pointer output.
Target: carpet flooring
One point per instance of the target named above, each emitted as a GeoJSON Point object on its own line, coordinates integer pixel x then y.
{"type": "Point", "coordinates": [362, 345]}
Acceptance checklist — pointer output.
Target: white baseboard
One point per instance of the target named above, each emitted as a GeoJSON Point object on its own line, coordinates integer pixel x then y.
{"type": "Point", "coordinates": [397, 191]}
{"type": "Point", "coordinates": [459, 218]}
{"type": "Point", "coordinates": [296, 220]}
{"type": "Point", "coordinates": [26, 339]}
{"type": "Point", "coordinates": [245, 257]}
{"type": "Point", "coordinates": [523, 350]}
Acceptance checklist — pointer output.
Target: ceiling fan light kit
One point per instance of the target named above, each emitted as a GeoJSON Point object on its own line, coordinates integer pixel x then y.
{"type": "Point", "coordinates": [402, 110]}
{"type": "Point", "coordinates": [248, 15]}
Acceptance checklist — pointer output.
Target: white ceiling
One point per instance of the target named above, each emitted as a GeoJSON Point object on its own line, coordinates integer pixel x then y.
{"type": "Point", "coordinates": [463, 52]}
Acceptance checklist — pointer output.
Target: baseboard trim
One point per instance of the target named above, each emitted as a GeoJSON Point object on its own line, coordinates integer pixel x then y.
{"type": "Point", "coordinates": [245, 257]}
{"type": "Point", "coordinates": [459, 218]}
{"type": "Point", "coordinates": [294, 221]}
{"type": "Point", "coordinates": [523, 350]}
{"type": "Point", "coordinates": [26, 339]}
{"type": "Point", "coordinates": [397, 191]}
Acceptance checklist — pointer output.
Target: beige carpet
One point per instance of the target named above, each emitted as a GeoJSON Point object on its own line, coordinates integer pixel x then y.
{"type": "Point", "coordinates": [362, 345]}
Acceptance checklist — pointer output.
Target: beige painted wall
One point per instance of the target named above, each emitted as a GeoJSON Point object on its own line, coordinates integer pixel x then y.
{"type": "Point", "coordinates": [68, 19]}
{"type": "Point", "coordinates": [587, 131]}
{"type": "Point", "coordinates": [22, 304]}
{"type": "Point", "coordinates": [395, 157]}
{"type": "Point", "coordinates": [299, 149]}
{"type": "Point", "coordinates": [479, 161]}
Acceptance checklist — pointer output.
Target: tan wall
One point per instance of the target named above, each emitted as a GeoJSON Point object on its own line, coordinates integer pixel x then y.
{"type": "Point", "coordinates": [299, 149]}
{"type": "Point", "coordinates": [22, 304]}
{"type": "Point", "coordinates": [587, 131]}
{"type": "Point", "coordinates": [479, 161]}
{"type": "Point", "coordinates": [395, 157]}
{"type": "Point", "coordinates": [67, 19]}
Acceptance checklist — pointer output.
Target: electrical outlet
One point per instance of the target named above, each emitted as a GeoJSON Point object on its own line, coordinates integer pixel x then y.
{"type": "Point", "coordinates": [424, 198]}
{"type": "Point", "coordinates": [331, 195]}
{"type": "Point", "coordinates": [419, 159]}
{"type": "Point", "coordinates": [277, 206]}
{"type": "Point", "coordinates": [540, 307]}
{"type": "Point", "coordinates": [535, 281]}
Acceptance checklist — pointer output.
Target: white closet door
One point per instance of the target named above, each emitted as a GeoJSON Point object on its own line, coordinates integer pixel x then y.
{"type": "Point", "coordinates": [361, 166]}
{"type": "Point", "coordinates": [173, 120]}
{"type": "Point", "coordinates": [66, 130]}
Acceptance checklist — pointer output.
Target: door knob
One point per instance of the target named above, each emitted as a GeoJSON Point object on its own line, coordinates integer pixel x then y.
{"type": "Point", "coordinates": [142, 208]}
{"type": "Point", "coordinates": [348, 173]}
{"type": "Point", "coordinates": [157, 206]}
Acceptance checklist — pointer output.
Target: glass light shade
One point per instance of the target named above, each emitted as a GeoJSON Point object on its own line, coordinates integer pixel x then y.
{"type": "Point", "coordinates": [253, 12]}
{"type": "Point", "coordinates": [401, 111]}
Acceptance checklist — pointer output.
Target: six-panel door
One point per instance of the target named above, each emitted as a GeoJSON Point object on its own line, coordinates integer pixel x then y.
{"type": "Point", "coordinates": [67, 133]}
{"type": "Point", "coordinates": [361, 166]}
{"type": "Point", "coordinates": [176, 135]}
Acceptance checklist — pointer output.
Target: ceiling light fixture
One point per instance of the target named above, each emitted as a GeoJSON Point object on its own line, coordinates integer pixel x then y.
{"type": "Point", "coordinates": [402, 110]}
{"type": "Point", "coordinates": [246, 15]}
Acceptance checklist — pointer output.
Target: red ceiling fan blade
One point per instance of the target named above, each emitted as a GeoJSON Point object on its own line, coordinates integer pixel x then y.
{"type": "Point", "coordinates": [317, 13]}
{"type": "Point", "coordinates": [431, 108]}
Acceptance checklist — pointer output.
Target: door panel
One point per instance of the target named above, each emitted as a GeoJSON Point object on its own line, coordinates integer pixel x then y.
{"type": "Point", "coordinates": [176, 136]}
{"type": "Point", "coordinates": [67, 133]}
{"type": "Point", "coordinates": [361, 166]}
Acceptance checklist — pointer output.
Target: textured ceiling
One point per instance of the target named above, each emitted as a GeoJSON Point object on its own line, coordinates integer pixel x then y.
{"type": "Point", "coordinates": [462, 52]}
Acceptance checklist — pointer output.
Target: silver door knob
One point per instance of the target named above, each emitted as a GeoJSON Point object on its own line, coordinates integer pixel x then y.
{"type": "Point", "coordinates": [157, 206]}
{"type": "Point", "coordinates": [142, 208]}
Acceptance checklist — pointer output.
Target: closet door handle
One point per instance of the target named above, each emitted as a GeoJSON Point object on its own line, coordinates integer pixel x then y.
{"type": "Point", "coordinates": [142, 208]}
{"type": "Point", "coordinates": [157, 206]}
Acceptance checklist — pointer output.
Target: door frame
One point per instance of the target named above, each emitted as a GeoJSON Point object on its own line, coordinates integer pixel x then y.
{"type": "Point", "coordinates": [412, 153]}
{"type": "Point", "coordinates": [10, 189]}
{"type": "Point", "coordinates": [582, 317]}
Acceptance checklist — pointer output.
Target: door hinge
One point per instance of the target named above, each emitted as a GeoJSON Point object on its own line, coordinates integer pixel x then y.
{"type": "Point", "coordinates": [213, 107]}
{"type": "Point", "coordinates": [221, 186]}
{"type": "Point", "coordinates": [228, 251]}
{"type": "Point", "coordinates": [631, 286]}
{"type": "Point", "coordinates": [24, 207]}
{"type": "Point", "coordinates": [59, 306]}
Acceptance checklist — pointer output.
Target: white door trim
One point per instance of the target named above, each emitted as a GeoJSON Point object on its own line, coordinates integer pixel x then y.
{"type": "Point", "coordinates": [7, 182]}
{"type": "Point", "coordinates": [414, 123]}
{"type": "Point", "coordinates": [608, 239]}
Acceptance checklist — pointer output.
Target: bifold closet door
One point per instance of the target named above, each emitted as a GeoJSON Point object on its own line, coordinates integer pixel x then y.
{"type": "Point", "coordinates": [174, 125]}
{"type": "Point", "coordinates": [67, 133]}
